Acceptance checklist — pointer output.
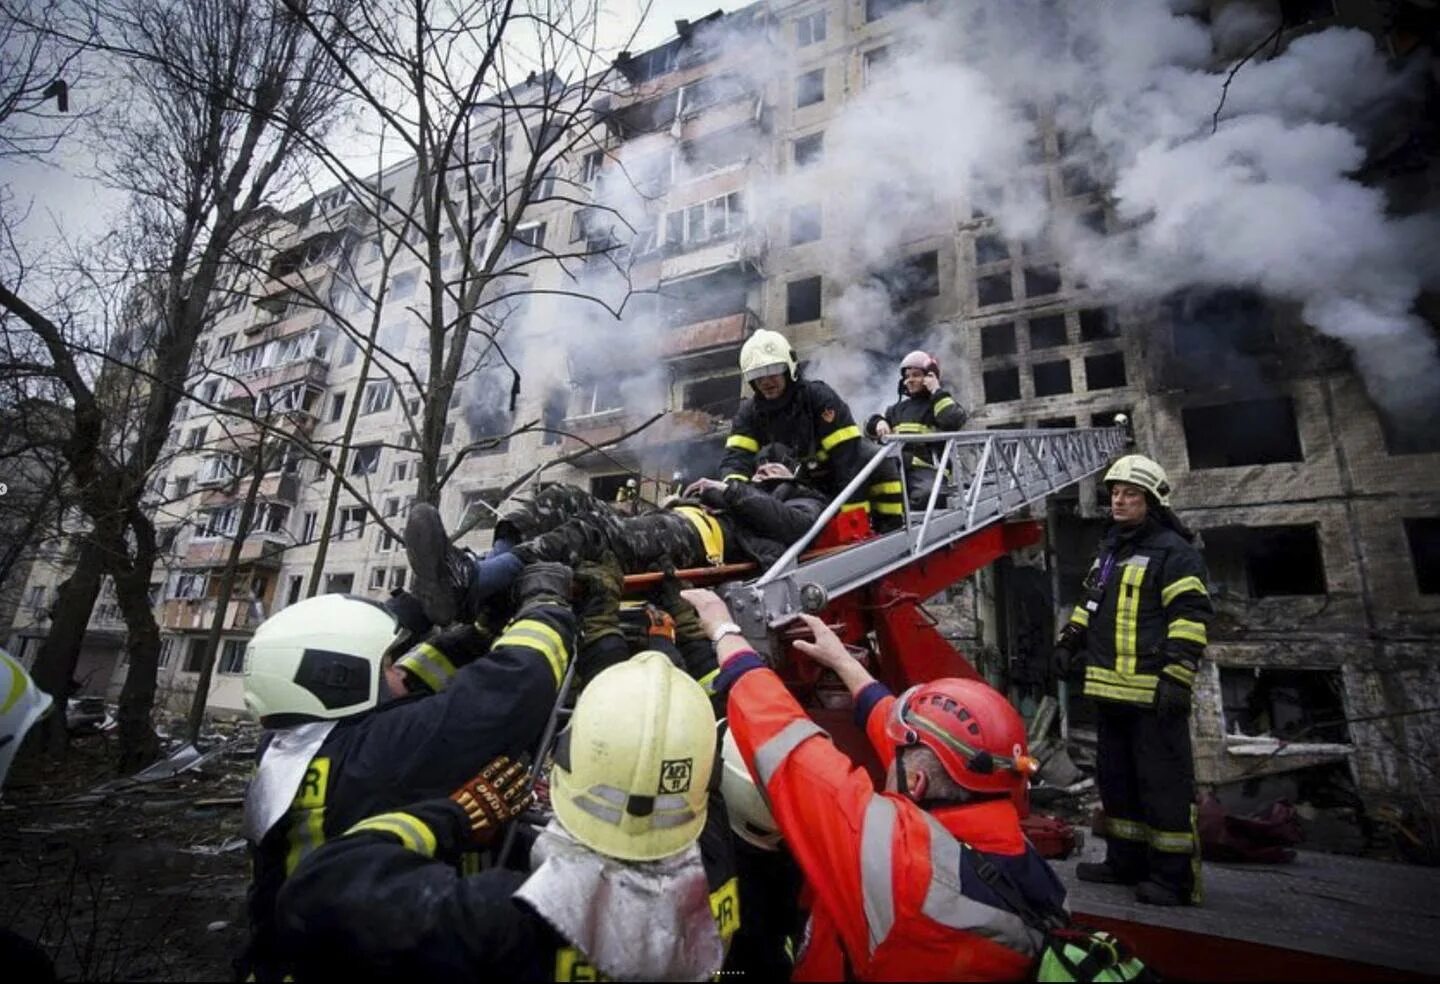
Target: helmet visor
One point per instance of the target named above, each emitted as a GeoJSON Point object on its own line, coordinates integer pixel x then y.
{"type": "Point", "coordinates": [770, 369]}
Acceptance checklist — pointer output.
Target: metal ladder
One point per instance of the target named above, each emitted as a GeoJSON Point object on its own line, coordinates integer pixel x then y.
{"type": "Point", "coordinates": [983, 478]}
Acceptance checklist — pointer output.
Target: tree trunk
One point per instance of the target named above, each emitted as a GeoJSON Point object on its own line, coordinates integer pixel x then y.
{"type": "Point", "coordinates": [222, 602]}
{"type": "Point", "coordinates": [139, 745]}
{"type": "Point", "coordinates": [54, 670]}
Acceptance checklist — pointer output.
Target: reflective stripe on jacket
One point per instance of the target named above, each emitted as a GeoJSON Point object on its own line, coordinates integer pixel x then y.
{"type": "Point", "coordinates": [1151, 618]}
{"type": "Point", "coordinates": [890, 901]}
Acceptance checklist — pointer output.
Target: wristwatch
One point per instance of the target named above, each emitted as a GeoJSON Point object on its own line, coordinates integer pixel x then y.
{"type": "Point", "coordinates": [724, 629]}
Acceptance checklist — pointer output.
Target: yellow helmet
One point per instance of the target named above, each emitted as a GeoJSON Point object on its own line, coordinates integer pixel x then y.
{"type": "Point", "coordinates": [745, 802]}
{"type": "Point", "coordinates": [21, 705]}
{"type": "Point", "coordinates": [766, 353]}
{"type": "Point", "coordinates": [632, 771]}
{"type": "Point", "coordinates": [1136, 469]}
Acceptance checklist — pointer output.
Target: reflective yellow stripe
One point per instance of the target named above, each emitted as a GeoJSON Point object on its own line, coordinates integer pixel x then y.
{"type": "Point", "coordinates": [1080, 616]}
{"type": "Point", "coordinates": [1135, 681]}
{"type": "Point", "coordinates": [1181, 674]}
{"type": "Point", "coordinates": [1126, 829]}
{"type": "Point", "coordinates": [708, 680]}
{"type": "Point", "coordinates": [886, 488]}
{"type": "Point", "coordinates": [1127, 618]}
{"type": "Point", "coordinates": [429, 664]}
{"type": "Point", "coordinates": [1174, 589]}
{"type": "Point", "coordinates": [412, 832]}
{"type": "Point", "coordinates": [921, 463]}
{"type": "Point", "coordinates": [1172, 841]}
{"type": "Point", "coordinates": [890, 508]}
{"type": "Point", "coordinates": [1130, 688]}
{"type": "Point", "coordinates": [711, 536]}
{"type": "Point", "coordinates": [913, 428]}
{"type": "Point", "coordinates": [307, 827]}
{"type": "Point", "coordinates": [536, 635]}
{"type": "Point", "coordinates": [737, 477]}
{"type": "Point", "coordinates": [852, 506]}
{"type": "Point", "coordinates": [1184, 628]}
{"type": "Point", "coordinates": [743, 443]}
{"type": "Point", "coordinates": [840, 436]}
{"type": "Point", "coordinates": [821, 457]}
{"type": "Point", "coordinates": [945, 403]}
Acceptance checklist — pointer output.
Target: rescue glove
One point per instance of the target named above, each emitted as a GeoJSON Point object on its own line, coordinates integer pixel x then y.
{"type": "Point", "coordinates": [1063, 662]}
{"type": "Point", "coordinates": [659, 624]}
{"type": "Point", "coordinates": [409, 613]}
{"type": "Point", "coordinates": [687, 620]}
{"type": "Point", "coordinates": [544, 583]}
{"type": "Point", "coordinates": [494, 797]}
{"type": "Point", "coordinates": [1172, 699]}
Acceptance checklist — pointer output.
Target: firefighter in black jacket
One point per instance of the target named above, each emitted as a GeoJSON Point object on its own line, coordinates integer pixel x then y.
{"type": "Point", "coordinates": [1142, 622]}
{"type": "Point", "coordinates": [809, 417]}
{"type": "Point", "coordinates": [923, 408]}
{"type": "Point", "coordinates": [633, 879]}
{"type": "Point", "coordinates": [343, 741]}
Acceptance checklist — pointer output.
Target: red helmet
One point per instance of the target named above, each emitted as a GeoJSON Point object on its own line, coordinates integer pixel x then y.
{"type": "Point", "coordinates": [917, 359]}
{"type": "Point", "coordinates": [978, 737]}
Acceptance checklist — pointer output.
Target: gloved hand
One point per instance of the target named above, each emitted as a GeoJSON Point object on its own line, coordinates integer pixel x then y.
{"type": "Point", "coordinates": [687, 621]}
{"type": "Point", "coordinates": [1172, 699]}
{"type": "Point", "coordinates": [494, 797]}
{"type": "Point", "coordinates": [1063, 661]}
{"type": "Point", "coordinates": [544, 583]}
{"type": "Point", "coordinates": [661, 625]}
{"type": "Point", "coordinates": [408, 612]}
{"type": "Point", "coordinates": [495, 574]}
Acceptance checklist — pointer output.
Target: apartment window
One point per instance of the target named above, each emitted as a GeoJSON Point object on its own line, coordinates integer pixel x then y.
{"type": "Point", "coordinates": [195, 656]}
{"type": "Point", "coordinates": [37, 596]}
{"type": "Point", "coordinates": [1104, 371]}
{"type": "Point", "coordinates": [913, 279]}
{"type": "Point", "coordinates": [1047, 332]}
{"type": "Point", "coordinates": [412, 406]}
{"type": "Point", "coordinates": [719, 395]}
{"type": "Point", "coordinates": [997, 339]}
{"type": "Point", "coordinates": [591, 165]}
{"type": "Point", "coordinates": [480, 505]}
{"type": "Point", "coordinates": [1249, 432]}
{"type": "Point", "coordinates": [804, 224]}
{"type": "Point", "coordinates": [1041, 281]}
{"type": "Point", "coordinates": [1265, 561]}
{"type": "Point", "coordinates": [1423, 534]}
{"type": "Point", "coordinates": [403, 285]}
{"type": "Point", "coordinates": [294, 585]}
{"type": "Point", "coordinates": [352, 523]}
{"type": "Point", "coordinates": [195, 438]}
{"type": "Point", "coordinates": [704, 221]}
{"type": "Point", "coordinates": [232, 656]}
{"type": "Point", "coordinates": [397, 578]}
{"type": "Point", "coordinates": [449, 436]}
{"type": "Point", "coordinates": [377, 396]}
{"type": "Point", "coordinates": [994, 289]}
{"type": "Point", "coordinates": [528, 238]}
{"type": "Point", "coordinates": [876, 9]}
{"type": "Point", "coordinates": [809, 149]}
{"type": "Point", "coordinates": [596, 396]}
{"type": "Point", "coordinates": [1052, 378]}
{"type": "Point", "coordinates": [400, 472]}
{"type": "Point", "coordinates": [1294, 13]}
{"type": "Point", "coordinates": [339, 583]}
{"type": "Point", "coordinates": [810, 88]}
{"type": "Point", "coordinates": [322, 460]}
{"type": "Point", "coordinates": [1001, 385]}
{"type": "Point", "coordinates": [810, 29]}
{"type": "Point", "coordinates": [167, 651]}
{"type": "Point", "coordinates": [875, 62]}
{"type": "Point", "coordinates": [220, 522]}
{"type": "Point", "coordinates": [182, 486]}
{"type": "Point", "coordinates": [1098, 324]}
{"type": "Point", "coordinates": [802, 300]}
{"type": "Point", "coordinates": [1107, 418]}
{"type": "Point", "coordinates": [337, 406]}
{"type": "Point", "coordinates": [223, 347]}
{"type": "Point", "coordinates": [1056, 423]}
{"type": "Point", "coordinates": [347, 353]}
{"type": "Point", "coordinates": [1077, 180]}
{"type": "Point", "coordinates": [442, 465]}
{"type": "Point", "coordinates": [1218, 323]}
{"type": "Point", "coordinates": [307, 527]}
{"type": "Point", "coordinates": [990, 249]}
{"type": "Point", "coordinates": [189, 586]}
{"type": "Point", "coordinates": [377, 578]}
{"type": "Point", "coordinates": [1292, 705]}
{"type": "Point", "coordinates": [366, 460]}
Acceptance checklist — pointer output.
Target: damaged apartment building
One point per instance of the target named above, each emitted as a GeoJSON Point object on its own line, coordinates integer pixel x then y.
{"type": "Point", "coordinates": [1319, 516]}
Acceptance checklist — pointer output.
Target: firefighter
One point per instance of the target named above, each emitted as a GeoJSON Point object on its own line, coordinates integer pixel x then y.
{"type": "Point", "coordinates": [22, 705]}
{"type": "Point", "coordinates": [343, 740]}
{"type": "Point", "coordinates": [753, 521]}
{"type": "Point", "coordinates": [1141, 623]}
{"type": "Point", "coordinates": [808, 416]}
{"type": "Point", "coordinates": [894, 874]}
{"type": "Point", "coordinates": [923, 408]}
{"type": "Point", "coordinates": [632, 879]}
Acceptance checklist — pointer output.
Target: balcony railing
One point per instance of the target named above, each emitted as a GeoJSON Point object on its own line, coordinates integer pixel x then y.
{"type": "Point", "coordinates": [308, 370]}
{"type": "Point", "coordinates": [702, 337]}
{"type": "Point", "coordinates": [195, 613]}
{"type": "Point", "coordinates": [258, 548]}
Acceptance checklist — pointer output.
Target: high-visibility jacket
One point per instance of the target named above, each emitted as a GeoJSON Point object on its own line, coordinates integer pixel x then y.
{"type": "Point", "coordinates": [815, 423]}
{"type": "Point", "coordinates": [385, 901]}
{"type": "Point", "coordinates": [1143, 613]}
{"type": "Point", "coordinates": [406, 749]}
{"type": "Point", "coordinates": [895, 893]}
{"type": "Point", "coordinates": [927, 413]}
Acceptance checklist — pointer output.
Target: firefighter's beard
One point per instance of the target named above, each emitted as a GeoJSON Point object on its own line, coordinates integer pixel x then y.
{"type": "Point", "coordinates": [637, 921]}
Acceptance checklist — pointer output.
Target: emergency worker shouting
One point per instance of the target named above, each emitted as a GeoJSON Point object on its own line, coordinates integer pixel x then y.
{"type": "Point", "coordinates": [1141, 623]}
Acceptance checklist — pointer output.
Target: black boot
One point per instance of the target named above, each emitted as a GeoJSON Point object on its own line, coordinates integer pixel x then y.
{"type": "Point", "coordinates": [443, 575]}
{"type": "Point", "coordinates": [1153, 893]}
{"type": "Point", "coordinates": [1101, 873]}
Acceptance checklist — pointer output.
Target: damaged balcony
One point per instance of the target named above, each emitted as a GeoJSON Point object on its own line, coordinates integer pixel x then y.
{"type": "Point", "coordinates": [303, 268]}
{"type": "Point", "coordinates": [311, 372]}
{"type": "Point", "coordinates": [708, 316]}
{"type": "Point", "coordinates": [260, 549]}
{"type": "Point", "coordinates": [716, 339]}
{"type": "Point", "coordinates": [180, 614]}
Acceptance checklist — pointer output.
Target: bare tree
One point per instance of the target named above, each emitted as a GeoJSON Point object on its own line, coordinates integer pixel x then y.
{"type": "Point", "coordinates": [217, 94]}
{"type": "Point", "coordinates": [40, 66]}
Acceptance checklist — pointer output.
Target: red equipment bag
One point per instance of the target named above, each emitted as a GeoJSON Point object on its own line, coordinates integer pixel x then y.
{"type": "Point", "coordinates": [1052, 837]}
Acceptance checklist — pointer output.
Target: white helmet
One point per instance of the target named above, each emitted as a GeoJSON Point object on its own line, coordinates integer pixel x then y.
{"type": "Point", "coordinates": [320, 658]}
{"type": "Point", "coordinates": [766, 353]}
{"type": "Point", "coordinates": [21, 705]}
{"type": "Point", "coordinates": [1136, 469]}
{"type": "Point", "coordinates": [745, 802]}
{"type": "Point", "coordinates": [632, 772]}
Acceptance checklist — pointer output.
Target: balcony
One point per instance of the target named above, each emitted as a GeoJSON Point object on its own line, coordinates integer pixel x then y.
{"type": "Point", "coordinates": [746, 110]}
{"type": "Point", "coordinates": [737, 250]}
{"type": "Point", "coordinates": [310, 370]}
{"type": "Point", "coordinates": [259, 549]}
{"type": "Point", "coordinates": [700, 339]}
{"type": "Point", "coordinates": [279, 487]}
{"type": "Point", "coordinates": [179, 614]}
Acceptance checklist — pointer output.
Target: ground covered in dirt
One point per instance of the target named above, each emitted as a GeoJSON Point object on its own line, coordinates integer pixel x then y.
{"type": "Point", "coordinates": [128, 881]}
